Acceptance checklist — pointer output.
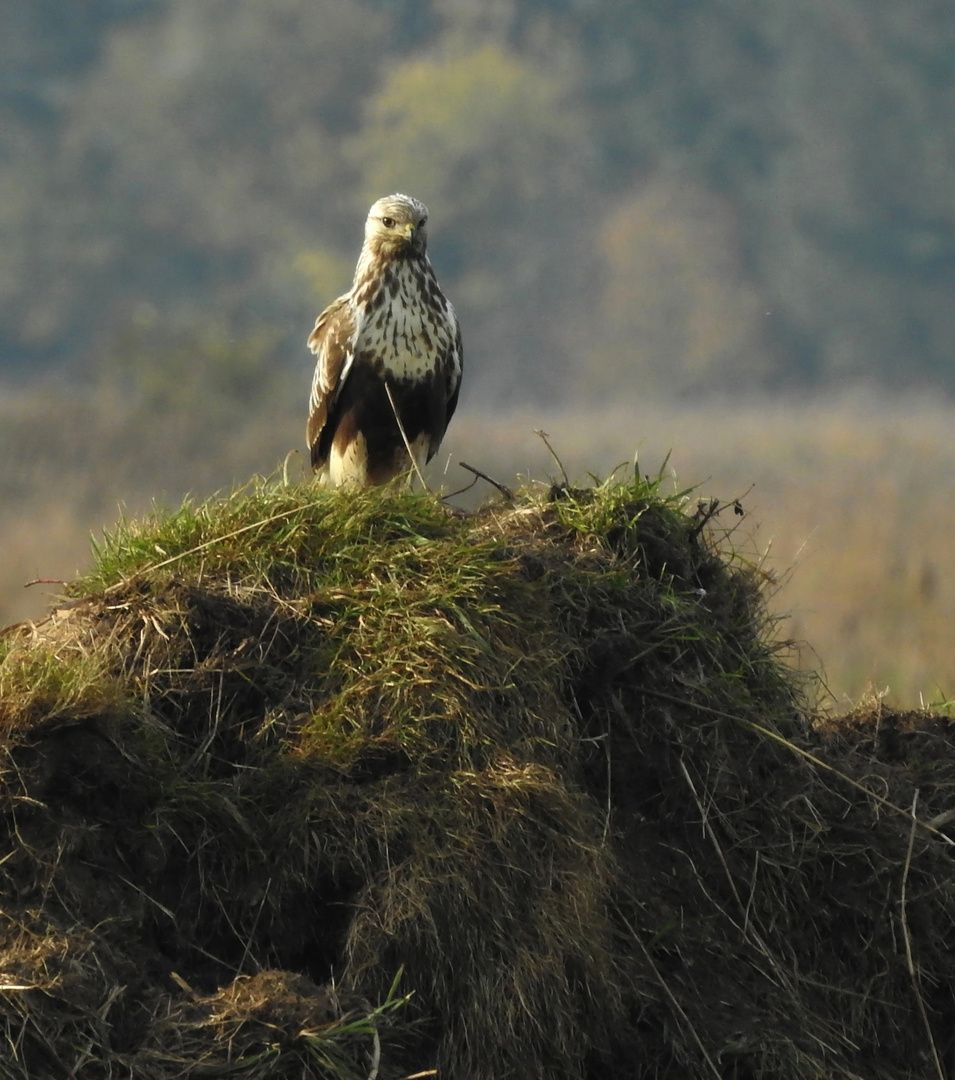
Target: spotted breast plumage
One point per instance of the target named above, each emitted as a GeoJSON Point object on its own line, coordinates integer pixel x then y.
{"type": "Point", "coordinates": [388, 354]}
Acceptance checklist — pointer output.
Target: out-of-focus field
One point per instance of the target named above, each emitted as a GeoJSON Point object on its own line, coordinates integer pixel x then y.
{"type": "Point", "coordinates": [850, 503]}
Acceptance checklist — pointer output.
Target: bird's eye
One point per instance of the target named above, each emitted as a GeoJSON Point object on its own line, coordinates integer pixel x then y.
{"type": "Point", "coordinates": [388, 222]}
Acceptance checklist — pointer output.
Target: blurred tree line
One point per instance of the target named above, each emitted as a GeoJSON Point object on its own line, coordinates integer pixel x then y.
{"type": "Point", "coordinates": [669, 197]}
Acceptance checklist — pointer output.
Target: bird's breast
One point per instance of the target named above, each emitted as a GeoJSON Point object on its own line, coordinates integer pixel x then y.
{"type": "Point", "coordinates": [407, 326]}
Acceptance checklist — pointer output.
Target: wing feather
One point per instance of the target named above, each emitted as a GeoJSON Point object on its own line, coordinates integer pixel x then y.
{"type": "Point", "coordinates": [447, 384]}
{"type": "Point", "coordinates": [333, 342]}
{"type": "Point", "coordinates": [455, 366]}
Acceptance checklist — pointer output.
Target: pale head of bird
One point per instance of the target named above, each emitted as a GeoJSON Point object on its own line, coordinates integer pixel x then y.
{"type": "Point", "coordinates": [397, 225]}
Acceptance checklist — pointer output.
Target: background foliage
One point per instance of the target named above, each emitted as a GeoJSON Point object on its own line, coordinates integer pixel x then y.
{"type": "Point", "coordinates": [783, 173]}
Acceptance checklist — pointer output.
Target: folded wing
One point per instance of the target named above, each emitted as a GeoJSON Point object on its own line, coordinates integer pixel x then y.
{"type": "Point", "coordinates": [333, 342]}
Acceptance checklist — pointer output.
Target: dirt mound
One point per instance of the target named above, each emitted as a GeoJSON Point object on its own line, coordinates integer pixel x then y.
{"type": "Point", "coordinates": [343, 785]}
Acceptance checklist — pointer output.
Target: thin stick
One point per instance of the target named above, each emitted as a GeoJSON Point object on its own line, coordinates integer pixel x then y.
{"type": "Point", "coordinates": [706, 514]}
{"type": "Point", "coordinates": [502, 488]}
{"type": "Point", "coordinates": [908, 942]}
{"type": "Point", "coordinates": [404, 439]}
{"type": "Point", "coordinates": [143, 571]}
{"type": "Point", "coordinates": [544, 438]}
{"type": "Point", "coordinates": [460, 491]}
{"type": "Point", "coordinates": [201, 547]}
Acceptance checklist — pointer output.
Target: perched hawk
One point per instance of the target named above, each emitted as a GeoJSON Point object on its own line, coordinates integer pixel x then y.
{"type": "Point", "coordinates": [393, 330]}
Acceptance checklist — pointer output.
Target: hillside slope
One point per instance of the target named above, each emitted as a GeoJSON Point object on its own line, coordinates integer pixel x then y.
{"type": "Point", "coordinates": [310, 784]}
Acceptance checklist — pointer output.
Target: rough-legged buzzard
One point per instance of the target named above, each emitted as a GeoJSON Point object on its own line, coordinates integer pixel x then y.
{"type": "Point", "coordinates": [389, 350]}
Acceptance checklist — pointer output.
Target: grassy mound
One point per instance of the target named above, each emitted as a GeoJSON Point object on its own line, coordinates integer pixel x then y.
{"type": "Point", "coordinates": [311, 784]}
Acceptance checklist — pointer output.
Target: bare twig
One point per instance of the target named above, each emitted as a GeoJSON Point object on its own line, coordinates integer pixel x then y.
{"type": "Point", "coordinates": [706, 511]}
{"type": "Point", "coordinates": [913, 974]}
{"type": "Point", "coordinates": [44, 581]}
{"type": "Point", "coordinates": [502, 488]}
{"type": "Point", "coordinates": [404, 439]}
{"type": "Point", "coordinates": [545, 439]}
{"type": "Point", "coordinates": [460, 491]}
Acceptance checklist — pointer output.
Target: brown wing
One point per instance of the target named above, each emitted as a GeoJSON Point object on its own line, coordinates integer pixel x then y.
{"type": "Point", "coordinates": [333, 342]}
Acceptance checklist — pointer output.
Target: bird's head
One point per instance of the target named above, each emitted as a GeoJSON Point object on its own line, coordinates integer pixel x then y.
{"type": "Point", "coordinates": [396, 225]}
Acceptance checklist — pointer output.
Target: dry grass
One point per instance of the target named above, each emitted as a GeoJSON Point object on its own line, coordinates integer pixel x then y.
{"type": "Point", "coordinates": [545, 762]}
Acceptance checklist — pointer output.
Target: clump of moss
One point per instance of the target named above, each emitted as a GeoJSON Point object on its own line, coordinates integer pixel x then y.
{"type": "Point", "coordinates": [544, 760]}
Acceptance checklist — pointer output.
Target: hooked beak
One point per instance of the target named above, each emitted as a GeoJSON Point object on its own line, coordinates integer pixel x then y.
{"type": "Point", "coordinates": [414, 237]}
